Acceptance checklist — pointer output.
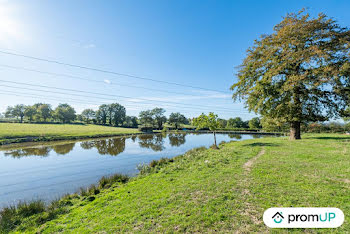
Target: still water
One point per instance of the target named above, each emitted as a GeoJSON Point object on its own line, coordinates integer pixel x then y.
{"type": "Point", "coordinates": [50, 171]}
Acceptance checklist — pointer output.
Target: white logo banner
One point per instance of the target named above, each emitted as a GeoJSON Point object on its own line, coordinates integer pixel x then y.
{"type": "Point", "coordinates": [298, 217]}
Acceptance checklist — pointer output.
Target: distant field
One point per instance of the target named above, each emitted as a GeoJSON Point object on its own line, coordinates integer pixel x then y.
{"type": "Point", "coordinates": [17, 130]}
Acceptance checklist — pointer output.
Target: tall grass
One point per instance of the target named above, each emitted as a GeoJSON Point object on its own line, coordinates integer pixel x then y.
{"type": "Point", "coordinates": [12, 216]}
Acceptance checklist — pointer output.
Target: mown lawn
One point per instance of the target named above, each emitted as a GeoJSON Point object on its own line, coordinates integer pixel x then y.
{"type": "Point", "coordinates": [224, 190]}
{"type": "Point", "coordinates": [61, 131]}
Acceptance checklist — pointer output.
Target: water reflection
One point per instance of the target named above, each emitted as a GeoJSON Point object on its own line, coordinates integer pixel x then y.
{"type": "Point", "coordinates": [235, 136]}
{"type": "Point", "coordinates": [154, 142]}
{"type": "Point", "coordinates": [177, 139]}
{"type": "Point", "coordinates": [66, 166]}
{"type": "Point", "coordinates": [63, 149]}
{"type": "Point", "coordinates": [112, 146]}
{"type": "Point", "coordinates": [38, 151]}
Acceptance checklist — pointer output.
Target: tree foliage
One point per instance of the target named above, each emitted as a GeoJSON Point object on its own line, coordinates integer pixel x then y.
{"type": "Point", "coordinates": [30, 112]}
{"type": "Point", "coordinates": [43, 111]}
{"type": "Point", "coordinates": [117, 114]}
{"type": "Point", "coordinates": [17, 111]}
{"type": "Point", "coordinates": [102, 114]}
{"type": "Point", "coordinates": [254, 123]}
{"type": "Point", "coordinates": [177, 119]}
{"type": "Point", "coordinates": [146, 118]}
{"type": "Point", "coordinates": [237, 122]}
{"type": "Point", "coordinates": [87, 115]}
{"type": "Point", "coordinates": [299, 73]}
{"type": "Point", "coordinates": [159, 117]}
{"type": "Point", "coordinates": [208, 121]}
{"type": "Point", "coordinates": [65, 113]}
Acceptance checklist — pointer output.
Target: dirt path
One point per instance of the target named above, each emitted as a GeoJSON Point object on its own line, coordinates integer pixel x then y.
{"type": "Point", "coordinates": [249, 209]}
{"type": "Point", "coordinates": [248, 165]}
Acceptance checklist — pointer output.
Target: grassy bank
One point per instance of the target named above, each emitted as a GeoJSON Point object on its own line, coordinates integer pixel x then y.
{"type": "Point", "coordinates": [16, 132]}
{"type": "Point", "coordinates": [208, 190]}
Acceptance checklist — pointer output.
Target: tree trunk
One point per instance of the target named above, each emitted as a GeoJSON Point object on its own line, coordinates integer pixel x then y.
{"type": "Point", "coordinates": [295, 131]}
{"type": "Point", "coordinates": [21, 119]}
{"type": "Point", "coordinates": [215, 138]}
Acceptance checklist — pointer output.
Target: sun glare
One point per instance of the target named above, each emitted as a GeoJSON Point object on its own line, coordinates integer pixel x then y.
{"type": "Point", "coordinates": [10, 28]}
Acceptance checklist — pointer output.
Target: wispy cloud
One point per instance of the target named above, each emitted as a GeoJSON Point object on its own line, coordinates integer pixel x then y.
{"type": "Point", "coordinates": [175, 98]}
{"type": "Point", "coordinates": [89, 46]}
{"type": "Point", "coordinates": [107, 81]}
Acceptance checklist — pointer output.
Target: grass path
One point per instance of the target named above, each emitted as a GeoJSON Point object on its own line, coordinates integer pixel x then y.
{"type": "Point", "coordinates": [224, 190]}
{"type": "Point", "coordinates": [248, 165]}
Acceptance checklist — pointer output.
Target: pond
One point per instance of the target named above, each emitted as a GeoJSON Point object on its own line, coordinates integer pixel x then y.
{"type": "Point", "coordinates": [49, 171]}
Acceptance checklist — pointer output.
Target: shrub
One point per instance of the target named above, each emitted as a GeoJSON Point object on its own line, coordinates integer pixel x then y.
{"type": "Point", "coordinates": [25, 209]}
{"type": "Point", "coordinates": [8, 219]}
{"type": "Point", "coordinates": [108, 181]}
{"type": "Point", "coordinates": [12, 216]}
{"type": "Point", "coordinates": [143, 169]}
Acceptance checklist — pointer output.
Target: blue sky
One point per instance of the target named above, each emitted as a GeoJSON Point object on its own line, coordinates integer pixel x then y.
{"type": "Point", "coordinates": [197, 43]}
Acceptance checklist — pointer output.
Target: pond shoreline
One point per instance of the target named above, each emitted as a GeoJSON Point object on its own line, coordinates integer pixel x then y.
{"type": "Point", "coordinates": [18, 142]}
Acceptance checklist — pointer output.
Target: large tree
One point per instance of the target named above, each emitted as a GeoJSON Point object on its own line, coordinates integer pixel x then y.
{"type": "Point", "coordinates": [102, 114]}
{"type": "Point", "coordinates": [131, 121]}
{"type": "Point", "coordinates": [235, 123]}
{"type": "Point", "coordinates": [65, 113]}
{"type": "Point", "coordinates": [299, 73]}
{"type": "Point", "coordinates": [117, 114]}
{"type": "Point", "coordinates": [146, 118]}
{"type": "Point", "coordinates": [30, 112]}
{"type": "Point", "coordinates": [159, 117]}
{"type": "Point", "coordinates": [254, 123]}
{"type": "Point", "coordinates": [88, 114]}
{"type": "Point", "coordinates": [43, 111]}
{"type": "Point", "coordinates": [16, 111]}
{"type": "Point", "coordinates": [177, 119]}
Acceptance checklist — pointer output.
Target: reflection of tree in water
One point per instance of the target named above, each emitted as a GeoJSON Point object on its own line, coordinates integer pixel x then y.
{"type": "Point", "coordinates": [87, 145]}
{"type": "Point", "coordinates": [235, 136]}
{"type": "Point", "coordinates": [63, 149]}
{"type": "Point", "coordinates": [177, 139]}
{"type": "Point", "coordinates": [154, 142]}
{"type": "Point", "coordinates": [112, 146]}
{"type": "Point", "coordinates": [37, 151]}
{"type": "Point", "coordinates": [133, 138]}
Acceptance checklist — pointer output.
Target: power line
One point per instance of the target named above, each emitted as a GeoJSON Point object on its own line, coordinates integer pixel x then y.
{"type": "Point", "coordinates": [110, 95]}
{"type": "Point", "coordinates": [107, 71]}
{"type": "Point", "coordinates": [92, 80]}
{"type": "Point", "coordinates": [21, 94]}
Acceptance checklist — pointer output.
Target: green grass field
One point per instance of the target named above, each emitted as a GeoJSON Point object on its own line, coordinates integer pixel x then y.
{"type": "Point", "coordinates": [224, 190]}
{"type": "Point", "coordinates": [16, 132]}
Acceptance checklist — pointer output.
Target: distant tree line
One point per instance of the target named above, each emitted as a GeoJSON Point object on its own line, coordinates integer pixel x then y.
{"type": "Point", "coordinates": [41, 112]}
{"type": "Point", "coordinates": [115, 115]}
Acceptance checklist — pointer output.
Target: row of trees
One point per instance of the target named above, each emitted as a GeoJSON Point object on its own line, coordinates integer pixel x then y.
{"type": "Point", "coordinates": [40, 112]}
{"type": "Point", "coordinates": [115, 115]}
{"type": "Point", "coordinates": [112, 114]}
{"type": "Point", "coordinates": [156, 118]}
{"type": "Point", "coordinates": [107, 114]}
{"type": "Point", "coordinates": [237, 122]}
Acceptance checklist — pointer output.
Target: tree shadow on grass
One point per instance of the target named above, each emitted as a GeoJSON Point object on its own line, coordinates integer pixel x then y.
{"type": "Point", "coordinates": [340, 138]}
{"type": "Point", "coordinates": [261, 144]}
